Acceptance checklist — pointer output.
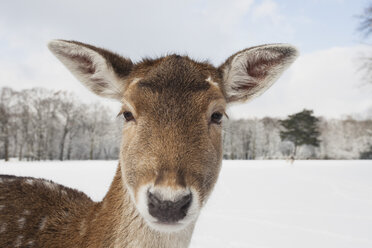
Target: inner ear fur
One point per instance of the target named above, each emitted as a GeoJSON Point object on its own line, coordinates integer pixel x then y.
{"type": "Point", "coordinates": [250, 72]}
{"type": "Point", "coordinates": [98, 69]}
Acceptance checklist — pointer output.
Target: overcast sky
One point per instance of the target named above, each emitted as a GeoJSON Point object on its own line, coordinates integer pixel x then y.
{"type": "Point", "coordinates": [325, 78]}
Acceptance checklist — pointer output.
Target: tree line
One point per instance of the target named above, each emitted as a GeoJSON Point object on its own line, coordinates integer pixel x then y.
{"type": "Point", "coordinates": [42, 124]}
{"type": "Point", "coordinates": [300, 135]}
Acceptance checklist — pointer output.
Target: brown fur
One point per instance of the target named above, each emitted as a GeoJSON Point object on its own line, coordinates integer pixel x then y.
{"type": "Point", "coordinates": [34, 209]}
{"type": "Point", "coordinates": [172, 142]}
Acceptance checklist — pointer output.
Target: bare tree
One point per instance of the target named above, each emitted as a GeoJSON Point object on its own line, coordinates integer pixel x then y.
{"type": "Point", "coordinates": [6, 103]}
{"type": "Point", "coordinates": [75, 128]}
{"type": "Point", "coordinates": [365, 28]}
{"type": "Point", "coordinates": [67, 115]}
{"type": "Point", "coordinates": [95, 126]}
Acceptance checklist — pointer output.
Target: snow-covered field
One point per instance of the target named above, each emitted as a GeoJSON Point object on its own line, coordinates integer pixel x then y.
{"type": "Point", "coordinates": [258, 204]}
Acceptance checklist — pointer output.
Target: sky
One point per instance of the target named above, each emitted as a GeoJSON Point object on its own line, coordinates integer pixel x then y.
{"type": "Point", "coordinates": [325, 78]}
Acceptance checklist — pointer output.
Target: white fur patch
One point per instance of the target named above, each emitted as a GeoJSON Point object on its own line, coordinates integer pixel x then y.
{"type": "Point", "coordinates": [168, 193]}
{"type": "Point", "coordinates": [26, 212]}
{"type": "Point", "coordinates": [18, 241]}
{"type": "Point", "coordinates": [43, 223]}
{"type": "Point", "coordinates": [3, 227]}
{"type": "Point", "coordinates": [29, 181]}
{"type": "Point", "coordinates": [213, 83]}
{"type": "Point", "coordinates": [141, 203]}
{"type": "Point", "coordinates": [21, 222]}
{"type": "Point", "coordinates": [50, 185]}
{"type": "Point", "coordinates": [2, 207]}
{"type": "Point", "coordinates": [30, 243]}
{"type": "Point", "coordinates": [135, 81]}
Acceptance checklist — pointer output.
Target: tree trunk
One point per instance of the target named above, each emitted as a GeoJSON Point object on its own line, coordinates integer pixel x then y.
{"type": "Point", "coordinates": [39, 145]}
{"type": "Point", "coordinates": [6, 149]}
{"type": "Point", "coordinates": [14, 153]}
{"type": "Point", "coordinates": [91, 149]}
{"type": "Point", "coordinates": [295, 150]}
{"type": "Point", "coordinates": [106, 152]}
{"type": "Point", "coordinates": [69, 148]}
{"type": "Point", "coordinates": [254, 150]}
{"type": "Point", "coordinates": [20, 155]}
{"type": "Point", "coordinates": [62, 144]}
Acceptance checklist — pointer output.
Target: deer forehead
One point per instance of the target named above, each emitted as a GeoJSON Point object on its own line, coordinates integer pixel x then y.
{"type": "Point", "coordinates": [176, 85]}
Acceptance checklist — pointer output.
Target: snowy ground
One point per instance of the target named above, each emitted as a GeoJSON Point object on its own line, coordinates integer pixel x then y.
{"type": "Point", "coordinates": [256, 203]}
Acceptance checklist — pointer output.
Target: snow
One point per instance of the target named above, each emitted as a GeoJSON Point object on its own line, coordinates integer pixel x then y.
{"type": "Point", "coordinates": [258, 204]}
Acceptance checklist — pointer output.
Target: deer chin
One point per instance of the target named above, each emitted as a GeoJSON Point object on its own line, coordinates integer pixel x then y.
{"type": "Point", "coordinates": [154, 223]}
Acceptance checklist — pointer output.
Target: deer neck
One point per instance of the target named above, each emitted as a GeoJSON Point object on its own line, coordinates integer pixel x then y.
{"type": "Point", "coordinates": [115, 222]}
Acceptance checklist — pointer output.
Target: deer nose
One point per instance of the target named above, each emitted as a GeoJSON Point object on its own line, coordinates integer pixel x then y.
{"type": "Point", "coordinates": [168, 211]}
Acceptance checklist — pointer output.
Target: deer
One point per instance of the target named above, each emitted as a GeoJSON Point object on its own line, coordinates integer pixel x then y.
{"type": "Point", "coordinates": [173, 109]}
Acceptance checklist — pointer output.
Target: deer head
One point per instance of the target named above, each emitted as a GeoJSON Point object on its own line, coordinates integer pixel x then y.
{"type": "Point", "coordinates": [171, 149]}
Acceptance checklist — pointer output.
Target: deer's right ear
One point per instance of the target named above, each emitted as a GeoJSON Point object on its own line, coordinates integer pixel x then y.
{"type": "Point", "coordinates": [98, 69]}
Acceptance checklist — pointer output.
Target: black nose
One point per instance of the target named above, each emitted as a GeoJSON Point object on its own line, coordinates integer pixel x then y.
{"type": "Point", "coordinates": [168, 211]}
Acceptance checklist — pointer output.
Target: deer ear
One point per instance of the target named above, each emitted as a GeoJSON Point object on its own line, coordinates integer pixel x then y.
{"type": "Point", "coordinates": [248, 73]}
{"type": "Point", "coordinates": [99, 70]}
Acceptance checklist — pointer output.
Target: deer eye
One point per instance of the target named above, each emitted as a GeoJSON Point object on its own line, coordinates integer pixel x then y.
{"type": "Point", "coordinates": [216, 118]}
{"type": "Point", "coordinates": [128, 116]}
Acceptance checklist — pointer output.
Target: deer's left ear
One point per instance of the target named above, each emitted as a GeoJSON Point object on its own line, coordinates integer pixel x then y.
{"type": "Point", "coordinates": [98, 69]}
{"type": "Point", "coordinates": [250, 72]}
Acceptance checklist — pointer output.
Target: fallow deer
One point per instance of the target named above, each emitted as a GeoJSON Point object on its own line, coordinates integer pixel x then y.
{"type": "Point", "coordinates": [170, 155]}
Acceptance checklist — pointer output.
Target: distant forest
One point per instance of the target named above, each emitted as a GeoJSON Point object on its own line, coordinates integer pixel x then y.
{"type": "Point", "coordinates": [41, 124]}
